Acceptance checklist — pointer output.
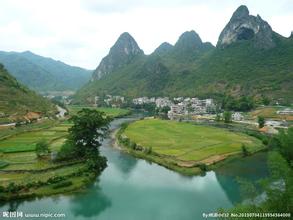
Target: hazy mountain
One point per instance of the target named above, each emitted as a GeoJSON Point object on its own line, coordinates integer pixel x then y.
{"type": "Point", "coordinates": [44, 74]}
{"type": "Point", "coordinates": [250, 59]}
{"type": "Point", "coordinates": [16, 99]}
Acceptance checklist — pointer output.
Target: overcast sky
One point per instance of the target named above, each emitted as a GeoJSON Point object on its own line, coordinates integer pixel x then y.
{"type": "Point", "coordinates": [81, 32]}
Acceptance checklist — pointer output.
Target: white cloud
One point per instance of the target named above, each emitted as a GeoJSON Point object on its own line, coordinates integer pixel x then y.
{"type": "Point", "coordinates": [81, 32]}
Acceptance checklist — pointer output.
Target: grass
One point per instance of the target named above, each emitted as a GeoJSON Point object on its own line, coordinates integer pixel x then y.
{"type": "Point", "coordinates": [20, 165]}
{"type": "Point", "coordinates": [113, 112]}
{"type": "Point", "coordinates": [185, 142]}
{"type": "Point", "coordinates": [27, 141]}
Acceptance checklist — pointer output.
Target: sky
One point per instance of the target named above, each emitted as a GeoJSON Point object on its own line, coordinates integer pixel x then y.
{"type": "Point", "coordinates": [81, 32]}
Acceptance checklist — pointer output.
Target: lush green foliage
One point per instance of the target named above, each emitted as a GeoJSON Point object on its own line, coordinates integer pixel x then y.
{"type": "Point", "coordinates": [284, 143]}
{"type": "Point", "coordinates": [85, 136]}
{"type": "Point", "coordinates": [27, 175]}
{"type": "Point", "coordinates": [278, 188]}
{"type": "Point", "coordinates": [238, 70]}
{"type": "Point", "coordinates": [227, 117]}
{"type": "Point", "coordinates": [44, 74]}
{"type": "Point", "coordinates": [42, 148]}
{"type": "Point", "coordinates": [17, 99]}
{"type": "Point", "coordinates": [243, 104]}
{"type": "Point", "coordinates": [261, 121]}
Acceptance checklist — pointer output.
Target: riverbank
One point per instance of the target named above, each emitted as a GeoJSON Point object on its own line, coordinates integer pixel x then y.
{"type": "Point", "coordinates": [25, 175]}
{"type": "Point", "coordinates": [183, 147]}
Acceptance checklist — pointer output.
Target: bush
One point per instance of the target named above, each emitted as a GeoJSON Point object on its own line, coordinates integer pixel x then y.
{"type": "Point", "coordinates": [42, 148]}
{"type": "Point", "coordinates": [66, 151]}
{"type": "Point", "coordinates": [148, 150]}
{"type": "Point", "coordinates": [203, 167]}
{"type": "Point", "coordinates": [62, 184]}
{"type": "Point", "coordinates": [261, 121]}
{"type": "Point", "coordinates": [244, 150]}
{"type": "Point", "coordinates": [132, 145]}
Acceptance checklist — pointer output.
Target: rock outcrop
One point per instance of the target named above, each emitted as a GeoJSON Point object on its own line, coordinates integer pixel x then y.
{"type": "Point", "coordinates": [243, 26]}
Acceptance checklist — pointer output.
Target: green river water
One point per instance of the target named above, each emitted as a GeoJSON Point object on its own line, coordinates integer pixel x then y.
{"type": "Point", "coordinates": [133, 189]}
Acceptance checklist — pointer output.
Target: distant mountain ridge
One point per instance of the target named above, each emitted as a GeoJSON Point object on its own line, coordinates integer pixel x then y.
{"type": "Point", "coordinates": [250, 60]}
{"type": "Point", "coordinates": [42, 73]}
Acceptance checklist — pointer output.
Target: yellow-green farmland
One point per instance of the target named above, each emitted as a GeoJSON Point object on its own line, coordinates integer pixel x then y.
{"type": "Point", "coordinates": [187, 144]}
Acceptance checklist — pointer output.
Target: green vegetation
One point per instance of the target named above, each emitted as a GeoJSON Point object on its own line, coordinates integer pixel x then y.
{"type": "Point", "coordinates": [236, 71]}
{"type": "Point", "coordinates": [42, 148]}
{"type": "Point", "coordinates": [112, 112]}
{"type": "Point", "coordinates": [17, 100]}
{"type": "Point", "coordinates": [261, 121]}
{"type": "Point", "coordinates": [277, 187]}
{"type": "Point", "coordinates": [269, 112]}
{"type": "Point", "coordinates": [84, 139]}
{"type": "Point", "coordinates": [27, 169]}
{"type": "Point", "coordinates": [185, 144]}
{"type": "Point", "coordinates": [26, 141]}
{"type": "Point", "coordinates": [227, 117]}
{"type": "Point", "coordinates": [243, 104]}
{"type": "Point", "coordinates": [44, 74]}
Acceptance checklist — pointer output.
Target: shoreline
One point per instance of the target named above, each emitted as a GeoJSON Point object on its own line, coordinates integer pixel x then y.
{"type": "Point", "coordinates": [187, 168]}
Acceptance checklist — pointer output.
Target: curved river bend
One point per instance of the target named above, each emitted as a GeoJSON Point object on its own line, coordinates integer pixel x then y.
{"type": "Point", "coordinates": [132, 189]}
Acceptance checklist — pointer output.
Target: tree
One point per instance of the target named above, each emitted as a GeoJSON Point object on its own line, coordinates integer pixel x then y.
{"type": "Point", "coordinates": [277, 188]}
{"type": "Point", "coordinates": [244, 150]}
{"type": "Point", "coordinates": [85, 136]}
{"type": "Point", "coordinates": [285, 147]}
{"type": "Point", "coordinates": [261, 121]}
{"type": "Point", "coordinates": [88, 130]}
{"type": "Point", "coordinates": [42, 148]}
{"type": "Point", "coordinates": [227, 117]}
{"type": "Point", "coordinates": [218, 117]}
{"type": "Point", "coordinates": [165, 109]}
{"type": "Point", "coordinates": [266, 100]}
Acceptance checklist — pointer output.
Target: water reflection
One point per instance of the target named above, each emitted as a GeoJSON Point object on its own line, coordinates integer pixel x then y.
{"type": "Point", "coordinates": [251, 168]}
{"type": "Point", "coordinates": [90, 204]}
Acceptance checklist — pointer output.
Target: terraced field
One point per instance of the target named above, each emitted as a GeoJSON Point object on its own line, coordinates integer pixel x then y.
{"type": "Point", "coordinates": [20, 165]}
{"type": "Point", "coordinates": [18, 151]}
{"type": "Point", "coordinates": [113, 112]}
{"type": "Point", "coordinates": [185, 142]}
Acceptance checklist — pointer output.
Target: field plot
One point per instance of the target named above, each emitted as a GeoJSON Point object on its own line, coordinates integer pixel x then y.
{"type": "Point", "coordinates": [188, 142]}
{"type": "Point", "coordinates": [270, 112]}
{"type": "Point", "coordinates": [19, 164]}
{"type": "Point", "coordinates": [113, 112]}
{"type": "Point", "coordinates": [27, 141]}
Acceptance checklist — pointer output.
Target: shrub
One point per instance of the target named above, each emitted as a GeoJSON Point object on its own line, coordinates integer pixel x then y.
{"type": "Point", "coordinates": [261, 121]}
{"type": "Point", "coordinates": [62, 184]}
{"type": "Point", "coordinates": [42, 148]}
{"type": "Point", "coordinates": [244, 150]}
{"type": "Point", "coordinates": [203, 167]}
{"type": "Point", "coordinates": [148, 150]}
{"type": "Point", "coordinates": [132, 145]}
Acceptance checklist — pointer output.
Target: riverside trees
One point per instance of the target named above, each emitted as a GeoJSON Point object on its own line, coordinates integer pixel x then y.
{"type": "Point", "coordinates": [84, 139]}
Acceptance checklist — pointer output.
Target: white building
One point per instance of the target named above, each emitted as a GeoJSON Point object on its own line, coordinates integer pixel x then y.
{"type": "Point", "coordinates": [237, 116]}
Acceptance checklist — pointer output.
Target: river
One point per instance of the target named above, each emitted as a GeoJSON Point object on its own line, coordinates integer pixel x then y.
{"type": "Point", "coordinates": [133, 189]}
